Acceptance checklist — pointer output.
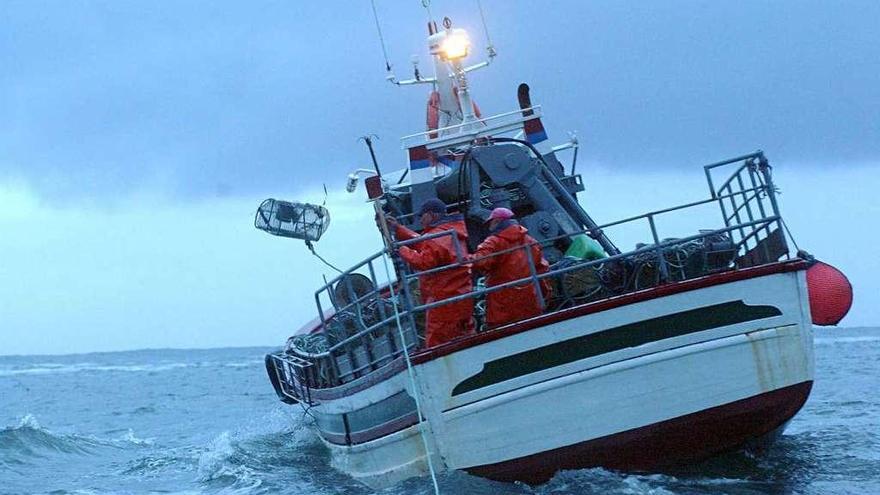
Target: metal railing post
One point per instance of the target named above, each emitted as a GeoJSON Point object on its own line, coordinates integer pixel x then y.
{"type": "Point", "coordinates": [760, 202]}
{"type": "Point", "coordinates": [407, 305]}
{"type": "Point", "coordinates": [757, 189]}
{"type": "Point", "coordinates": [320, 310]}
{"type": "Point", "coordinates": [664, 273]}
{"type": "Point", "coordinates": [746, 200]}
{"type": "Point", "coordinates": [735, 214]}
{"type": "Point", "coordinates": [709, 181]}
{"type": "Point", "coordinates": [764, 168]}
{"type": "Point", "coordinates": [382, 314]}
{"type": "Point", "coordinates": [534, 272]}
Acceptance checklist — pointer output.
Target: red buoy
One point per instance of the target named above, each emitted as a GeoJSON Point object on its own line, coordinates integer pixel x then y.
{"type": "Point", "coordinates": [831, 294]}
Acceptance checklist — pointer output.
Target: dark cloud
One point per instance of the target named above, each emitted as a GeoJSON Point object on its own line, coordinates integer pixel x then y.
{"type": "Point", "coordinates": [100, 99]}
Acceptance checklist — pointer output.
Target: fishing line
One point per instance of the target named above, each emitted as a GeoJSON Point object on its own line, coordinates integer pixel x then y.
{"type": "Point", "coordinates": [409, 366]}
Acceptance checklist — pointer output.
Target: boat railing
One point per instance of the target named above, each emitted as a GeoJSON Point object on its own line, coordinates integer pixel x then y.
{"type": "Point", "coordinates": [371, 326]}
{"type": "Point", "coordinates": [749, 193]}
{"type": "Point", "coordinates": [535, 278]}
{"type": "Point", "coordinates": [466, 132]}
{"type": "Point", "coordinates": [287, 370]}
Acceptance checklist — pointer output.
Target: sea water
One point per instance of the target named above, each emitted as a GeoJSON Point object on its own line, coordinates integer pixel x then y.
{"type": "Point", "coordinates": [207, 421]}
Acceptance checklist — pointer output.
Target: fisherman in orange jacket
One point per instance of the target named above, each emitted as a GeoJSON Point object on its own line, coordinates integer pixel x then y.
{"type": "Point", "coordinates": [518, 302]}
{"type": "Point", "coordinates": [455, 319]}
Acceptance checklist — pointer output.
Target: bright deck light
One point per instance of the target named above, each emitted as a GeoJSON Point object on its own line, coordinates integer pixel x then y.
{"type": "Point", "coordinates": [456, 45]}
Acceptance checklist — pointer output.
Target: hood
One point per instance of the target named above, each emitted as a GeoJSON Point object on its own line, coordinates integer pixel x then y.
{"type": "Point", "coordinates": [514, 233]}
{"type": "Point", "coordinates": [454, 222]}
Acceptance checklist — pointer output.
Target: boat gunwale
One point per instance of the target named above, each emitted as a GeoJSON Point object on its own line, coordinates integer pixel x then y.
{"type": "Point", "coordinates": [656, 292]}
{"type": "Point", "coordinates": [467, 342]}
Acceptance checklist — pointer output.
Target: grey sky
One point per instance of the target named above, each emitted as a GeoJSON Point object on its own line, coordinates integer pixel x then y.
{"type": "Point", "coordinates": [207, 98]}
{"type": "Point", "coordinates": [137, 138]}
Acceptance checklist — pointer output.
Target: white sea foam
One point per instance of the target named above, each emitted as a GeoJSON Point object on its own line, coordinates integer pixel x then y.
{"type": "Point", "coordinates": [641, 485]}
{"type": "Point", "coordinates": [29, 421]}
{"type": "Point", "coordinates": [213, 460]}
{"type": "Point", "coordinates": [130, 437]}
{"type": "Point", "coordinates": [845, 340]}
{"type": "Point", "coordinates": [598, 480]}
{"type": "Point", "coordinates": [219, 464]}
{"type": "Point", "coordinates": [56, 368]}
{"type": "Point", "coordinates": [243, 364]}
{"type": "Point", "coordinates": [51, 368]}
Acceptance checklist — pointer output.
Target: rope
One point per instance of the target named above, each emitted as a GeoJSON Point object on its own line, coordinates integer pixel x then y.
{"type": "Point", "coordinates": [489, 47]}
{"type": "Point", "coordinates": [409, 367]}
{"type": "Point", "coordinates": [381, 38]}
{"type": "Point", "coordinates": [785, 225]}
{"type": "Point", "coordinates": [412, 380]}
{"type": "Point", "coordinates": [312, 249]}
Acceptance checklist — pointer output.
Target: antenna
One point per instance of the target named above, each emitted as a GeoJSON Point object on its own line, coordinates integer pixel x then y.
{"type": "Point", "coordinates": [368, 139]}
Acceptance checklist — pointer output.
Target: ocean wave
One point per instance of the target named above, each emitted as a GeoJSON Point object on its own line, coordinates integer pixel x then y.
{"type": "Point", "coordinates": [53, 368]}
{"type": "Point", "coordinates": [29, 440]}
{"type": "Point", "coordinates": [598, 480]}
{"type": "Point", "coordinates": [260, 456]}
{"type": "Point", "coordinates": [845, 340]}
{"type": "Point", "coordinates": [230, 466]}
{"type": "Point", "coordinates": [129, 437]}
{"type": "Point", "coordinates": [243, 364]}
{"type": "Point", "coordinates": [56, 368]}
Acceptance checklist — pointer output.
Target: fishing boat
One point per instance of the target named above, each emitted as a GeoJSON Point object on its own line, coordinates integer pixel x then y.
{"type": "Point", "coordinates": [672, 352]}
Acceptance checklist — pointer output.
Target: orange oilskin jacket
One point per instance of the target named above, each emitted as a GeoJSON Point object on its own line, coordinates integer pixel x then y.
{"type": "Point", "coordinates": [518, 302]}
{"type": "Point", "coordinates": [438, 252]}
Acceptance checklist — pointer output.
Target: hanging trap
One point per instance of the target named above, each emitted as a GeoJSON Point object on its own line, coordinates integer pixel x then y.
{"type": "Point", "coordinates": [292, 219]}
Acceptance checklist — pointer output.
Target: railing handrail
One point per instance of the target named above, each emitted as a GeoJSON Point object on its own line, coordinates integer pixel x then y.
{"type": "Point", "coordinates": [589, 231]}
{"type": "Point", "coordinates": [465, 136]}
{"type": "Point", "coordinates": [551, 273]}
{"type": "Point", "coordinates": [452, 233]}
{"type": "Point", "coordinates": [615, 223]}
{"type": "Point", "coordinates": [643, 250]}
{"type": "Point", "coordinates": [756, 154]}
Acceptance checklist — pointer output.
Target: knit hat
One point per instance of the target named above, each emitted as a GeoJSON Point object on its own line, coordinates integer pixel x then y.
{"type": "Point", "coordinates": [433, 205]}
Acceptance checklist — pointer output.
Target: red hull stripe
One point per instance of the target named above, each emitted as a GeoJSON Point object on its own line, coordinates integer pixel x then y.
{"type": "Point", "coordinates": [606, 304]}
{"type": "Point", "coordinates": [690, 438]}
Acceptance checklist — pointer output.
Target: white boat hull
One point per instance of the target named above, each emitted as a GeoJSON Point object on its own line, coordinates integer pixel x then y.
{"type": "Point", "coordinates": [686, 376]}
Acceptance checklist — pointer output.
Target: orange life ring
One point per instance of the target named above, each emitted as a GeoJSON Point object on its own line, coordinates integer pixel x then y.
{"type": "Point", "coordinates": [433, 120]}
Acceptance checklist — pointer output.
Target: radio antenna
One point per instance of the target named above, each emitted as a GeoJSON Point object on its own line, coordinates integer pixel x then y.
{"type": "Point", "coordinates": [368, 139]}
